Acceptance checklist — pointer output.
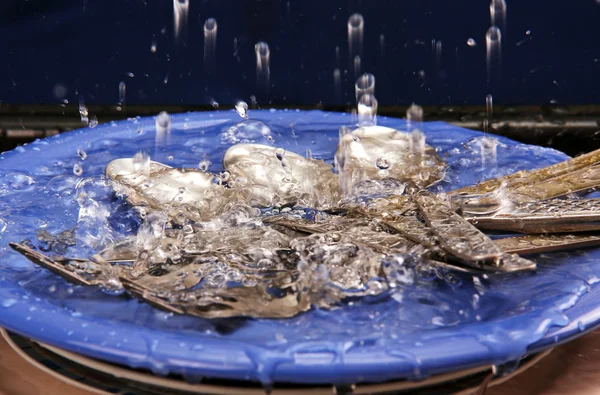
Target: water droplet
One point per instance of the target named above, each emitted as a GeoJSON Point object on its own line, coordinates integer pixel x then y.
{"type": "Point", "coordinates": [356, 25]}
{"type": "Point", "coordinates": [81, 153]}
{"type": "Point", "coordinates": [122, 92]}
{"type": "Point", "coordinates": [163, 121]}
{"type": "Point", "coordinates": [241, 107]}
{"type": "Point", "coordinates": [367, 110]}
{"type": "Point", "coordinates": [471, 42]}
{"type": "Point", "coordinates": [93, 121]}
{"type": "Point", "coordinates": [493, 42]}
{"type": "Point", "coordinates": [180, 15]}
{"type": "Point", "coordinates": [77, 169]}
{"type": "Point", "coordinates": [337, 84]}
{"type": "Point", "coordinates": [141, 163]}
{"type": "Point", "coordinates": [52, 288]}
{"type": "Point", "coordinates": [170, 158]}
{"type": "Point", "coordinates": [498, 14]}
{"type": "Point", "coordinates": [210, 44]}
{"type": "Point", "coordinates": [204, 165]}
{"type": "Point", "coordinates": [263, 68]}
{"type": "Point", "coordinates": [83, 112]}
{"type": "Point", "coordinates": [365, 84]}
{"type": "Point", "coordinates": [580, 326]}
{"type": "Point", "coordinates": [153, 45]}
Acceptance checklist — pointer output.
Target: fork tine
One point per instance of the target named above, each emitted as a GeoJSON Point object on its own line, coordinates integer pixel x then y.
{"type": "Point", "coordinates": [534, 244]}
{"type": "Point", "coordinates": [548, 216]}
{"type": "Point", "coordinates": [525, 178]}
{"type": "Point", "coordinates": [50, 264]}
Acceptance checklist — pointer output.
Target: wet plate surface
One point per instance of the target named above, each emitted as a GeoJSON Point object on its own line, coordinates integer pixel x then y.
{"type": "Point", "coordinates": [428, 325]}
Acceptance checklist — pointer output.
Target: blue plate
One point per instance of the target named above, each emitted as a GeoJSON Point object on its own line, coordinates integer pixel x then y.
{"type": "Point", "coordinates": [429, 326]}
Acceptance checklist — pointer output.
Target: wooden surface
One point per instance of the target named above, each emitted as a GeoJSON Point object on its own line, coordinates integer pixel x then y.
{"type": "Point", "coordinates": [573, 368]}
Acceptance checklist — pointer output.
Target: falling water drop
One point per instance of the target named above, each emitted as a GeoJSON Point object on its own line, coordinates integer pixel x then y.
{"type": "Point", "coordinates": [356, 25]}
{"type": "Point", "coordinates": [263, 70]}
{"type": "Point", "coordinates": [81, 153]}
{"type": "Point", "coordinates": [471, 42]}
{"type": "Point", "coordinates": [83, 112]}
{"type": "Point", "coordinates": [93, 121]}
{"type": "Point", "coordinates": [210, 44]}
{"type": "Point", "coordinates": [337, 84]}
{"type": "Point", "coordinates": [498, 14]}
{"type": "Point", "coordinates": [489, 106]}
{"type": "Point", "coordinates": [163, 122]}
{"type": "Point", "coordinates": [141, 163]}
{"type": "Point", "coordinates": [241, 107]}
{"type": "Point", "coordinates": [122, 92]}
{"type": "Point", "coordinates": [414, 125]}
{"type": "Point", "coordinates": [357, 66]}
{"type": "Point", "coordinates": [367, 110]}
{"type": "Point", "coordinates": [180, 15]}
{"type": "Point", "coordinates": [365, 84]}
{"type": "Point", "coordinates": [493, 42]}
{"type": "Point", "coordinates": [153, 45]}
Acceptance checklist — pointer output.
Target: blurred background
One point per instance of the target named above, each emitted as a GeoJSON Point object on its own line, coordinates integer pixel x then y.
{"type": "Point", "coordinates": [121, 58]}
{"type": "Point", "coordinates": [429, 52]}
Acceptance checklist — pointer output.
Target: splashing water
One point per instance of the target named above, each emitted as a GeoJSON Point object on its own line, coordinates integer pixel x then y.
{"type": "Point", "coordinates": [367, 110]}
{"type": "Point", "coordinates": [423, 303]}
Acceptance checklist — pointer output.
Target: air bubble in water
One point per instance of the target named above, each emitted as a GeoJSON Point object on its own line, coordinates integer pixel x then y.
{"type": "Point", "coordinates": [367, 110]}
{"type": "Point", "coordinates": [77, 169]}
{"type": "Point", "coordinates": [364, 84]}
{"type": "Point", "coordinates": [210, 44]}
{"type": "Point", "coordinates": [81, 153]}
{"type": "Point", "coordinates": [241, 107]}
{"type": "Point", "coordinates": [263, 68]}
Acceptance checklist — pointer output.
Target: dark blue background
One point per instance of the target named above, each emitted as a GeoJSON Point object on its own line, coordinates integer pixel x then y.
{"type": "Point", "coordinates": [89, 46]}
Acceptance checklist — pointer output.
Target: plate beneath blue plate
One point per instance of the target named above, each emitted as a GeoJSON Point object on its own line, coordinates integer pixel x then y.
{"type": "Point", "coordinates": [431, 326]}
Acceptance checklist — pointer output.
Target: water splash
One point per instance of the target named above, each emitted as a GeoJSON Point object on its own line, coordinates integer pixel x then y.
{"type": "Point", "coordinates": [414, 125]}
{"type": "Point", "coordinates": [367, 110]}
